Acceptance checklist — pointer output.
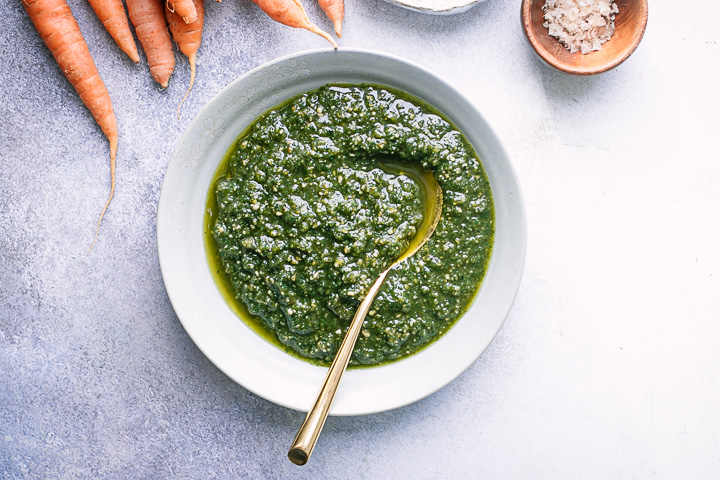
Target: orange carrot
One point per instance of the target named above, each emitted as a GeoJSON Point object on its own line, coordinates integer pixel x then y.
{"type": "Point", "coordinates": [185, 8]}
{"type": "Point", "coordinates": [188, 38]}
{"type": "Point", "coordinates": [292, 14]}
{"type": "Point", "coordinates": [335, 10]}
{"type": "Point", "coordinates": [112, 15]}
{"type": "Point", "coordinates": [148, 17]}
{"type": "Point", "coordinates": [59, 30]}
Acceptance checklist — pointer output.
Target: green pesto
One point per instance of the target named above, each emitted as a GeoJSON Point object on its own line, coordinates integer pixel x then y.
{"type": "Point", "coordinates": [304, 214]}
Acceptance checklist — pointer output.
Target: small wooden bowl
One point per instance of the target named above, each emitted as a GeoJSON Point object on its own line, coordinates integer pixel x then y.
{"type": "Point", "coordinates": [630, 23]}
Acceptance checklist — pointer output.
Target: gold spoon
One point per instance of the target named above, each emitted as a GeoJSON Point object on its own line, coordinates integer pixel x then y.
{"type": "Point", "coordinates": [309, 432]}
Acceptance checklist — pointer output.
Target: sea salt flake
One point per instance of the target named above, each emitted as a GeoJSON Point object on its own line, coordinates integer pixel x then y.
{"type": "Point", "coordinates": [580, 25]}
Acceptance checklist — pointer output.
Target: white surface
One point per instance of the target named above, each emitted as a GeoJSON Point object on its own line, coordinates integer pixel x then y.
{"type": "Point", "coordinates": [238, 351]}
{"type": "Point", "coordinates": [608, 366]}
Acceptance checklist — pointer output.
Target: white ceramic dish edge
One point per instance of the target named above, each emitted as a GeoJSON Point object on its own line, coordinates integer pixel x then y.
{"type": "Point", "coordinates": [434, 7]}
{"type": "Point", "coordinates": [228, 342]}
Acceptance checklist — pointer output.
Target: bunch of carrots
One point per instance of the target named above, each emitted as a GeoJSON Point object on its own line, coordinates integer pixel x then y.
{"type": "Point", "coordinates": [60, 31]}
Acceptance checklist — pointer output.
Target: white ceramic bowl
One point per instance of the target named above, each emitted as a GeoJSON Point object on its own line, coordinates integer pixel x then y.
{"type": "Point", "coordinates": [437, 7]}
{"type": "Point", "coordinates": [231, 345]}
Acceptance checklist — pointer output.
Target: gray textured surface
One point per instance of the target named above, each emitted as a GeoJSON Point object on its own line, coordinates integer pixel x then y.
{"type": "Point", "coordinates": [607, 367]}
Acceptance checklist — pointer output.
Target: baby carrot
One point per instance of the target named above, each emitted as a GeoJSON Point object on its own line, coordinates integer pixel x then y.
{"type": "Point", "coordinates": [148, 17]}
{"type": "Point", "coordinates": [112, 15]}
{"type": "Point", "coordinates": [185, 8]}
{"type": "Point", "coordinates": [292, 14]}
{"type": "Point", "coordinates": [335, 10]}
{"type": "Point", "coordinates": [188, 38]}
{"type": "Point", "coordinates": [61, 33]}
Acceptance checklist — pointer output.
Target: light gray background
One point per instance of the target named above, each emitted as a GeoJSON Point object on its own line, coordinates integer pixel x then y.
{"type": "Point", "coordinates": [607, 367]}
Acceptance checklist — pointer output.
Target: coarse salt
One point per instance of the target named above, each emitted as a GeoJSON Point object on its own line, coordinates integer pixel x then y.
{"type": "Point", "coordinates": [582, 25]}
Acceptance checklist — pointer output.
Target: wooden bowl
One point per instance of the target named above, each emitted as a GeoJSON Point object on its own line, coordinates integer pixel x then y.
{"type": "Point", "coordinates": [630, 23]}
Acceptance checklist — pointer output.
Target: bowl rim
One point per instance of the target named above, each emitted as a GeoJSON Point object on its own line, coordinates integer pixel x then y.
{"type": "Point", "coordinates": [501, 292]}
{"type": "Point", "coordinates": [563, 67]}
{"type": "Point", "coordinates": [453, 9]}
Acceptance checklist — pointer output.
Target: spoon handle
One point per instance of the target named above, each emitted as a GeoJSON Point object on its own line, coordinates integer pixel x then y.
{"type": "Point", "coordinates": [309, 432]}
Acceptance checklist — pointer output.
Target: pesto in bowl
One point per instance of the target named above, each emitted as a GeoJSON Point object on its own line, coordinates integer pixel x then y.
{"type": "Point", "coordinates": [320, 195]}
{"type": "Point", "coordinates": [189, 274]}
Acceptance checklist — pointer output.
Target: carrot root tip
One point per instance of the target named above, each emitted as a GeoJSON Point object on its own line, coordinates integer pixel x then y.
{"type": "Point", "coordinates": [191, 59]}
{"type": "Point", "coordinates": [113, 156]}
{"type": "Point", "coordinates": [319, 31]}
